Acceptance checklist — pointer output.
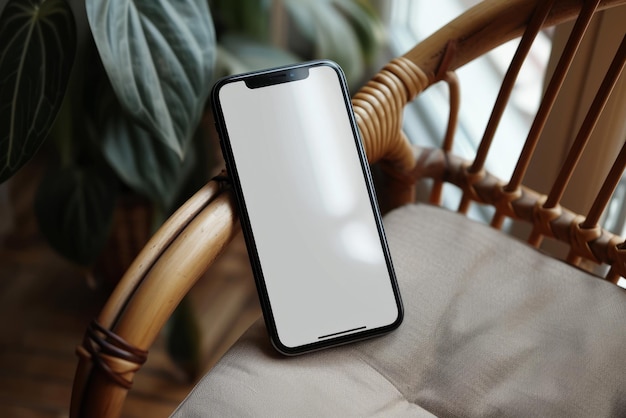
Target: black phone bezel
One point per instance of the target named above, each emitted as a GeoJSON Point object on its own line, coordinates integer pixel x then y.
{"type": "Point", "coordinates": [287, 74]}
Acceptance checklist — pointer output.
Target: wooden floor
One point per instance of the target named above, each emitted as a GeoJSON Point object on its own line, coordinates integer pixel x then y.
{"type": "Point", "coordinates": [46, 303]}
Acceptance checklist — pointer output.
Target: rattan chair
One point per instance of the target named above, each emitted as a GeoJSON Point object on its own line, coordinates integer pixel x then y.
{"type": "Point", "coordinates": [493, 327]}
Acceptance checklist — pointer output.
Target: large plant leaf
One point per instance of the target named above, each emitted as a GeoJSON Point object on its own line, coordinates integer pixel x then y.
{"type": "Point", "coordinates": [37, 48]}
{"type": "Point", "coordinates": [367, 26]}
{"type": "Point", "coordinates": [330, 33]}
{"type": "Point", "coordinates": [159, 57]}
{"type": "Point", "coordinates": [147, 166]}
{"type": "Point", "coordinates": [238, 54]}
{"type": "Point", "coordinates": [74, 207]}
{"type": "Point", "coordinates": [250, 18]}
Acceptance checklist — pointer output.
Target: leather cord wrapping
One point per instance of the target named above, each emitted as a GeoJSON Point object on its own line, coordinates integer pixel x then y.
{"type": "Point", "coordinates": [111, 354]}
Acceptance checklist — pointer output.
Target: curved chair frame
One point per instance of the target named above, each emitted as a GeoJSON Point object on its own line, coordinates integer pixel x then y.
{"type": "Point", "coordinates": [115, 346]}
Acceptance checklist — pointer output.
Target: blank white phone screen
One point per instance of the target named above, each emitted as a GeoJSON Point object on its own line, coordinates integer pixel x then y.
{"type": "Point", "coordinates": [310, 213]}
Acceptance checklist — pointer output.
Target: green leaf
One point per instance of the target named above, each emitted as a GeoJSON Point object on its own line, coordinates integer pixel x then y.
{"type": "Point", "coordinates": [37, 48]}
{"type": "Point", "coordinates": [367, 26]}
{"type": "Point", "coordinates": [74, 207]}
{"type": "Point", "coordinates": [246, 17]}
{"type": "Point", "coordinates": [159, 57]}
{"type": "Point", "coordinates": [330, 32]}
{"type": "Point", "coordinates": [147, 166]}
{"type": "Point", "coordinates": [238, 54]}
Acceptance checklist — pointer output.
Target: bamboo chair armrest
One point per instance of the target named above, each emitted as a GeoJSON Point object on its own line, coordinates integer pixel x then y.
{"type": "Point", "coordinates": [165, 270]}
{"type": "Point", "coordinates": [484, 27]}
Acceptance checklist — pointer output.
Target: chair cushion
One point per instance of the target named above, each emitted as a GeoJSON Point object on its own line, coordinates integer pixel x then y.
{"type": "Point", "coordinates": [492, 328]}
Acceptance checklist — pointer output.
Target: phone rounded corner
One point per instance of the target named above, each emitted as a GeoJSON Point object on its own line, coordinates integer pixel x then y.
{"type": "Point", "coordinates": [333, 65]}
{"type": "Point", "coordinates": [394, 283]}
{"type": "Point", "coordinates": [282, 348]}
{"type": "Point", "coordinates": [330, 63]}
{"type": "Point", "coordinates": [399, 317]}
{"type": "Point", "coordinates": [215, 90]}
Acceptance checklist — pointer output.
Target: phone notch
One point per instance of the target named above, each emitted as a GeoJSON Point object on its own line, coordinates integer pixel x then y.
{"type": "Point", "coordinates": [277, 77]}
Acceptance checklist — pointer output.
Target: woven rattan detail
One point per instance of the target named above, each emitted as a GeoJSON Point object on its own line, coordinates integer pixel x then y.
{"type": "Point", "coordinates": [581, 237]}
{"type": "Point", "coordinates": [594, 243]}
{"type": "Point", "coordinates": [543, 216]}
{"type": "Point", "coordinates": [378, 107]}
{"type": "Point", "coordinates": [617, 252]}
{"type": "Point", "coordinates": [111, 354]}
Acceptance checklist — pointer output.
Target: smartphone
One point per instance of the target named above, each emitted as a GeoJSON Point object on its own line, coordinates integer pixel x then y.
{"type": "Point", "coordinates": [307, 206]}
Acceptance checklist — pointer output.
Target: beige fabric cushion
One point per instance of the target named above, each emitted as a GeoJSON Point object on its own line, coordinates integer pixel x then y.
{"type": "Point", "coordinates": [492, 328]}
